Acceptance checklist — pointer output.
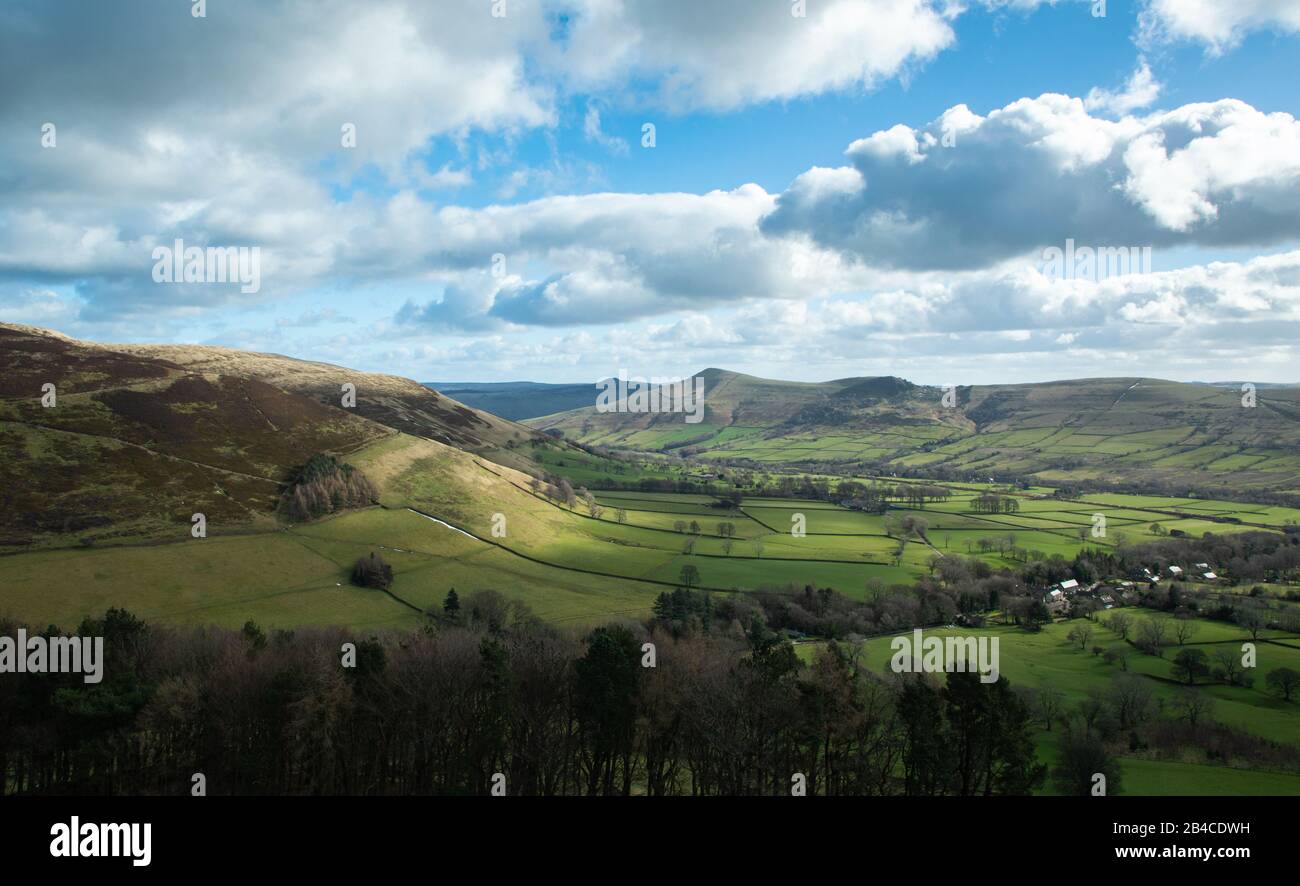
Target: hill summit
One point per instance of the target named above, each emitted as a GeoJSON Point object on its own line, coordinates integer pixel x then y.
{"type": "Point", "coordinates": [1121, 431]}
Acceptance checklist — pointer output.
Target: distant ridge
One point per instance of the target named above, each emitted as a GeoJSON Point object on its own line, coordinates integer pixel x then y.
{"type": "Point", "coordinates": [1123, 430]}
{"type": "Point", "coordinates": [519, 400]}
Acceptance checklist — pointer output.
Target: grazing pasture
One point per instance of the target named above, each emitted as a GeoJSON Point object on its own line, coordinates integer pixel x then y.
{"type": "Point", "coordinates": [1046, 659]}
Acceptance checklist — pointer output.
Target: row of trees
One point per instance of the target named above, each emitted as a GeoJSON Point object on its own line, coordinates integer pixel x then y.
{"type": "Point", "coordinates": [501, 696]}
{"type": "Point", "coordinates": [731, 486]}
{"type": "Point", "coordinates": [991, 503]}
{"type": "Point", "coordinates": [969, 586]}
{"type": "Point", "coordinates": [488, 689]}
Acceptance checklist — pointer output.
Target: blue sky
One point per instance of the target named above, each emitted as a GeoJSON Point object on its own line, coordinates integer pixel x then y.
{"type": "Point", "coordinates": [998, 57]}
{"type": "Point", "coordinates": [751, 236]}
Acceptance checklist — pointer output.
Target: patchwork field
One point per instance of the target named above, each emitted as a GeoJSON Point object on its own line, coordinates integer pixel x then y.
{"type": "Point", "coordinates": [123, 469]}
{"type": "Point", "coordinates": [1046, 659]}
{"type": "Point", "coordinates": [567, 564]}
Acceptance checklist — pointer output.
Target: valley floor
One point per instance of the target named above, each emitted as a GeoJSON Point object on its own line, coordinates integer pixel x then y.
{"type": "Point", "coordinates": [589, 564]}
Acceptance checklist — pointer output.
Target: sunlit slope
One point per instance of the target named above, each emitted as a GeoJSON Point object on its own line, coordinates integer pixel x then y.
{"type": "Point", "coordinates": [470, 494]}
{"type": "Point", "coordinates": [99, 489]}
{"type": "Point", "coordinates": [1109, 429]}
{"type": "Point", "coordinates": [289, 575]}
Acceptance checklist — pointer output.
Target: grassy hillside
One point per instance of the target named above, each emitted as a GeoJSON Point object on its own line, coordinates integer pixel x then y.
{"type": "Point", "coordinates": [133, 445]}
{"type": "Point", "coordinates": [1110, 429]}
{"type": "Point", "coordinates": [296, 575]}
{"type": "Point", "coordinates": [1047, 660]}
{"type": "Point", "coordinates": [138, 442]}
{"type": "Point", "coordinates": [565, 564]}
{"type": "Point", "coordinates": [98, 492]}
{"type": "Point", "coordinates": [393, 401]}
{"type": "Point", "coordinates": [140, 437]}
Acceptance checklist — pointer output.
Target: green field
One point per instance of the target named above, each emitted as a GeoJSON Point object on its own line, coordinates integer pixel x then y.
{"type": "Point", "coordinates": [565, 563]}
{"type": "Point", "coordinates": [1046, 659]}
{"type": "Point", "coordinates": [572, 566]}
{"type": "Point", "coordinates": [1098, 429]}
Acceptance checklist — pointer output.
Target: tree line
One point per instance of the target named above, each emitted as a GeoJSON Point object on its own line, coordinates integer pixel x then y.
{"type": "Point", "coordinates": [490, 692]}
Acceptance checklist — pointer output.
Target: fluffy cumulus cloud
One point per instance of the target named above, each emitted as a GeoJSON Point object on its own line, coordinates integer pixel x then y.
{"type": "Point", "coordinates": [1220, 294]}
{"type": "Point", "coordinates": [968, 191]}
{"type": "Point", "coordinates": [1141, 90]}
{"type": "Point", "coordinates": [727, 53]}
{"type": "Point", "coordinates": [1240, 318]}
{"type": "Point", "coordinates": [915, 234]}
{"type": "Point", "coordinates": [271, 77]}
{"type": "Point", "coordinates": [925, 236]}
{"type": "Point", "coordinates": [612, 257]}
{"type": "Point", "coordinates": [1220, 24]}
{"type": "Point", "coordinates": [228, 129]}
{"type": "Point", "coordinates": [277, 77]}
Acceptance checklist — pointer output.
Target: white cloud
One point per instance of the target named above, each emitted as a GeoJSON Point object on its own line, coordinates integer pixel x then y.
{"type": "Point", "coordinates": [1040, 171]}
{"type": "Point", "coordinates": [1220, 24]}
{"type": "Point", "coordinates": [276, 80]}
{"type": "Point", "coordinates": [1141, 90]}
{"type": "Point", "coordinates": [1035, 173]}
{"type": "Point", "coordinates": [728, 53]}
{"type": "Point", "coordinates": [610, 257]}
{"type": "Point", "coordinates": [1031, 174]}
{"type": "Point", "coordinates": [909, 243]}
{"type": "Point", "coordinates": [445, 178]}
{"type": "Point", "coordinates": [38, 307]}
{"type": "Point", "coordinates": [271, 77]}
{"type": "Point", "coordinates": [591, 129]}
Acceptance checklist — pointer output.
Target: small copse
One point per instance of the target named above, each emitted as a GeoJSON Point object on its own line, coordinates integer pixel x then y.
{"type": "Point", "coordinates": [325, 486]}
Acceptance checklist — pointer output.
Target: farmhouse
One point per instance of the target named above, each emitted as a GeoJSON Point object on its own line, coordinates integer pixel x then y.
{"type": "Point", "coordinates": [1175, 571]}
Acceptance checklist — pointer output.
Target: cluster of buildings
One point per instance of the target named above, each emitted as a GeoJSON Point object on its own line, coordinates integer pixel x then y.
{"type": "Point", "coordinates": [1059, 597]}
{"type": "Point", "coordinates": [1198, 572]}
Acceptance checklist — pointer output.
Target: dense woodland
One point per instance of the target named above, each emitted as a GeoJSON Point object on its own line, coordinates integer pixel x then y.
{"type": "Point", "coordinates": [489, 690]}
